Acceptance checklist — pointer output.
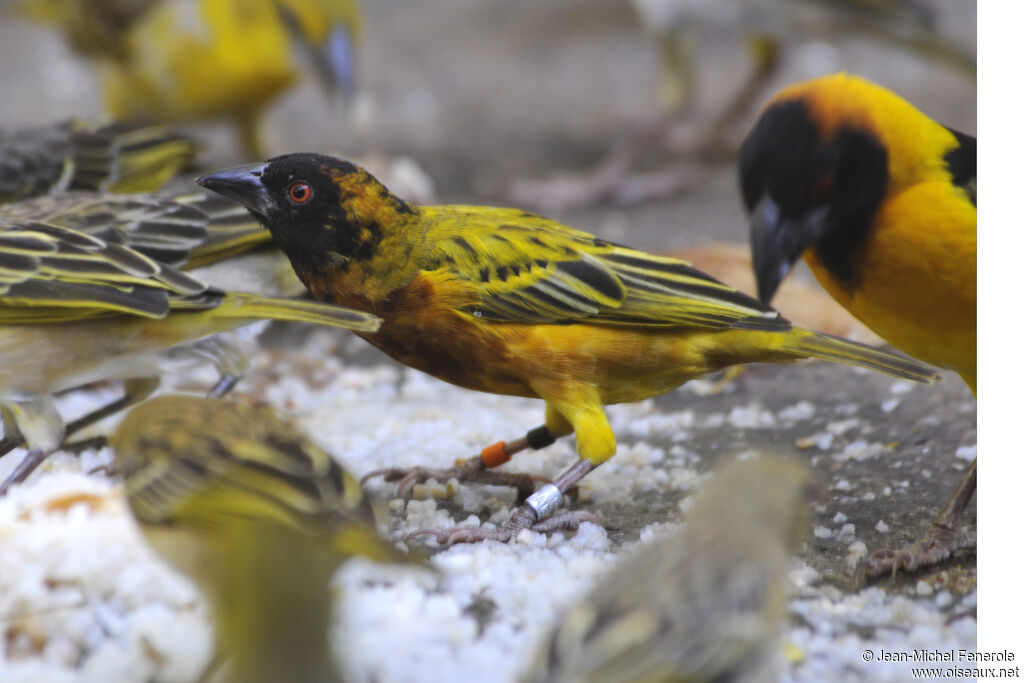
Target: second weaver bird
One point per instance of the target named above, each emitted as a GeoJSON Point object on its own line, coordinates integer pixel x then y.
{"type": "Point", "coordinates": [509, 302]}
{"type": "Point", "coordinates": [881, 203]}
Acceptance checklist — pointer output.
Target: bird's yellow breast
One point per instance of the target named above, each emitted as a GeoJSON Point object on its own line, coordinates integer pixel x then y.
{"type": "Point", "coordinates": [916, 276]}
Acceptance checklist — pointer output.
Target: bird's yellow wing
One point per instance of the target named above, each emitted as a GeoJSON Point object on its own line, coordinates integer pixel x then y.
{"type": "Point", "coordinates": [526, 268]}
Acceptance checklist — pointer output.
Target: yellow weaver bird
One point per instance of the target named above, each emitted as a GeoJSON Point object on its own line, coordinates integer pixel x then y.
{"type": "Point", "coordinates": [703, 604]}
{"type": "Point", "coordinates": [78, 306]}
{"type": "Point", "coordinates": [89, 155]}
{"type": "Point", "coordinates": [258, 516]}
{"type": "Point", "coordinates": [509, 302]}
{"type": "Point", "coordinates": [197, 60]}
{"type": "Point", "coordinates": [881, 202]}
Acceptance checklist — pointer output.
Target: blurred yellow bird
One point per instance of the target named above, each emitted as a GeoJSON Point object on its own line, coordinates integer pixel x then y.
{"type": "Point", "coordinates": [196, 60]}
{"type": "Point", "coordinates": [81, 306]}
{"type": "Point", "coordinates": [258, 516]}
{"type": "Point", "coordinates": [704, 604]}
{"type": "Point", "coordinates": [89, 154]}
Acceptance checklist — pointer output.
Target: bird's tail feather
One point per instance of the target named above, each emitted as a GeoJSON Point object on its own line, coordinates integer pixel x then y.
{"type": "Point", "coordinates": [839, 350]}
{"type": "Point", "coordinates": [256, 307]}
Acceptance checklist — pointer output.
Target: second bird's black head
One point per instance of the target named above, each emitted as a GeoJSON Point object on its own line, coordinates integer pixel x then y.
{"type": "Point", "coordinates": [320, 209]}
{"type": "Point", "coordinates": [805, 188]}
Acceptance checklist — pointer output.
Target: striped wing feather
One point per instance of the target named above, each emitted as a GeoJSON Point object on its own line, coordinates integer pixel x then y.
{"type": "Point", "coordinates": [534, 270]}
{"type": "Point", "coordinates": [50, 273]}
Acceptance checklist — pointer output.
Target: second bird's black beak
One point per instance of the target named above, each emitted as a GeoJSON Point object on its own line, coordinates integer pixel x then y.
{"type": "Point", "coordinates": [776, 242]}
{"type": "Point", "coordinates": [243, 184]}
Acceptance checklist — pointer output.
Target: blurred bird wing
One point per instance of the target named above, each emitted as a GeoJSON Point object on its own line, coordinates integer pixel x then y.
{"type": "Point", "coordinates": [231, 230]}
{"type": "Point", "coordinates": [185, 231]}
{"type": "Point", "coordinates": [262, 472]}
{"type": "Point", "coordinates": [49, 273]}
{"type": "Point", "coordinates": [91, 154]}
{"type": "Point", "coordinates": [534, 270]}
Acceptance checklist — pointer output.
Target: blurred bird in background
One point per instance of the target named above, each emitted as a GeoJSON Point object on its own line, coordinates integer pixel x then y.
{"type": "Point", "coordinates": [508, 302]}
{"type": "Point", "coordinates": [83, 305]}
{"type": "Point", "coordinates": [703, 604]}
{"type": "Point", "coordinates": [89, 154]}
{"type": "Point", "coordinates": [199, 60]}
{"type": "Point", "coordinates": [881, 202]}
{"type": "Point", "coordinates": [259, 517]}
{"type": "Point", "coordinates": [682, 30]}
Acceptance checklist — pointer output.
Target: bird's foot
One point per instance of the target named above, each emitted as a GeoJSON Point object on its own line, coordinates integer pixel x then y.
{"type": "Point", "coordinates": [28, 464]}
{"type": "Point", "coordinates": [938, 545]}
{"type": "Point", "coordinates": [524, 517]}
{"type": "Point", "coordinates": [470, 471]}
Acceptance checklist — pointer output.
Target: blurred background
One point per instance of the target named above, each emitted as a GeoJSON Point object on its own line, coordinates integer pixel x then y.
{"type": "Point", "coordinates": [493, 98]}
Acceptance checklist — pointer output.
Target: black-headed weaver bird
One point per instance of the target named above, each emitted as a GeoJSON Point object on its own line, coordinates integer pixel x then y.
{"type": "Point", "coordinates": [509, 302]}
{"type": "Point", "coordinates": [83, 305]}
{"type": "Point", "coordinates": [201, 60]}
{"type": "Point", "coordinates": [880, 201]}
{"type": "Point", "coordinates": [705, 603]}
{"type": "Point", "coordinates": [259, 516]}
{"type": "Point", "coordinates": [89, 154]}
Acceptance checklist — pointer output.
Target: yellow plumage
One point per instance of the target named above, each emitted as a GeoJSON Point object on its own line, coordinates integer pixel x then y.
{"type": "Point", "coordinates": [258, 516]}
{"type": "Point", "coordinates": [196, 60]}
{"type": "Point", "coordinates": [880, 200]}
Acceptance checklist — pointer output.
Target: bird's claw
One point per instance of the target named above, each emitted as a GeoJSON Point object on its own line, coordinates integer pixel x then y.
{"type": "Point", "coordinates": [508, 531]}
{"type": "Point", "coordinates": [938, 545]}
{"type": "Point", "coordinates": [470, 471]}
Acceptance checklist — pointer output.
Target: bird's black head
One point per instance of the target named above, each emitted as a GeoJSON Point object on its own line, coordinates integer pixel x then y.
{"type": "Point", "coordinates": [805, 184]}
{"type": "Point", "coordinates": [321, 210]}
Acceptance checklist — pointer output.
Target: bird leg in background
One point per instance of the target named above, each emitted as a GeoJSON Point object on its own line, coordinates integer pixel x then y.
{"type": "Point", "coordinates": [135, 391]}
{"type": "Point", "coordinates": [535, 514]}
{"type": "Point", "coordinates": [716, 141]}
{"type": "Point", "coordinates": [616, 179]}
{"type": "Point", "coordinates": [476, 470]}
{"type": "Point", "coordinates": [946, 537]}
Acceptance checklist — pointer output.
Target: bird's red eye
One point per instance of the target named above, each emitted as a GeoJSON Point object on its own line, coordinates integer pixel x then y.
{"type": "Point", "coordinates": [300, 193]}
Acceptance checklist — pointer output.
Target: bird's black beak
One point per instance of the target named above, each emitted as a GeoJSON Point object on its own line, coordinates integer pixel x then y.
{"type": "Point", "coordinates": [243, 184]}
{"type": "Point", "coordinates": [777, 242]}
